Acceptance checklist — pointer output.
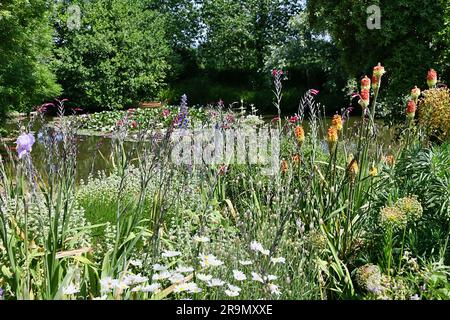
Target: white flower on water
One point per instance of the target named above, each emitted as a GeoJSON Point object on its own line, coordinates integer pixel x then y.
{"type": "Point", "coordinates": [257, 277]}
{"type": "Point", "coordinates": [209, 260]}
{"type": "Point", "coordinates": [274, 289]}
{"type": "Point", "coordinates": [246, 262]}
{"type": "Point", "coordinates": [107, 284]}
{"type": "Point", "coordinates": [239, 275]}
{"type": "Point", "coordinates": [154, 288]}
{"type": "Point", "coordinates": [71, 289]}
{"type": "Point", "coordinates": [170, 254]}
{"type": "Point", "coordinates": [158, 267]}
{"type": "Point", "coordinates": [183, 269]}
{"type": "Point", "coordinates": [176, 278]}
{"type": "Point", "coordinates": [204, 277]}
{"type": "Point", "coordinates": [278, 260]}
{"type": "Point", "coordinates": [201, 239]}
{"type": "Point", "coordinates": [161, 276]}
{"type": "Point", "coordinates": [215, 283]}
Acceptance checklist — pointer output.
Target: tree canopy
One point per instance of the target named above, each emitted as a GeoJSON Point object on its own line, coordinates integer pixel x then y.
{"type": "Point", "coordinates": [26, 77]}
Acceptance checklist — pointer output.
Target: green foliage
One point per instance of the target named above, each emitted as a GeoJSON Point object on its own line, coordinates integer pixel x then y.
{"type": "Point", "coordinates": [26, 78]}
{"type": "Point", "coordinates": [117, 58]}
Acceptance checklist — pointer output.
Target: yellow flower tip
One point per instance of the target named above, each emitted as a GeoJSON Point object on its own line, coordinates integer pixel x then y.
{"type": "Point", "coordinates": [373, 171]}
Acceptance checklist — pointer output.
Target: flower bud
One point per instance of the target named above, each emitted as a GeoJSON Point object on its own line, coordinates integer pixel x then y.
{"type": "Point", "coordinates": [379, 71]}
{"type": "Point", "coordinates": [365, 83]}
{"type": "Point", "coordinates": [411, 109]}
{"type": "Point", "coordinates": [432, 78]}
{"type": "Point", "coordinates": [415, 93]}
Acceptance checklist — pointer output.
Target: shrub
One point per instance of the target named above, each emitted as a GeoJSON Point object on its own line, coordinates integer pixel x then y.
{"type": "Point", "coordinates": [434, 113]}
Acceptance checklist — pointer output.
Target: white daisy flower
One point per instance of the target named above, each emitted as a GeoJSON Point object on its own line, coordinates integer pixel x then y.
{"type": "Point", "coordinates": [209, 261]}
{"type": "Point", "coordinates": [256, 246]}
{"type": "Point", "coordinates": [71, 289]}
{"type": "Point", "coordinates": [215, 283]}
{"type": "Point", "coordinates": [107, 284]}
{"type": "Point", "coordinates": [257, 277]}
{"type": "Point", "coordinates": [204, 277]}
{"type": "Point", "coordinates": [161, 276]}
{"type": "Point", "coordinates": [201, 239]}
{"type": "Point", "coordinates": [136, 263]}
{"type": "Point", "coordinates": [274, 289]}
{"type": "Point", "coordinates": [183, 269]}
{"type": "Point", "coordinates": [271, 277]}
{"type": "Point", "coordinates": [246, 262]}
{"type": "Point", "coordinates": [193, 287]}
{"type": "Point", "coordinates": [278, 260]}
{"type": "Point", "coordinates": [134, 279]}
{"type": "Point", "coordinates": [158, 267]}
{"type": "Point", "coordinates": [239, 275]}
{"type": "Point", "coordinates": [176, 278]}
{"type": "Point", "coordinates": [232, 293]}
{"type": "Point", "coordinates": [234, 288]}
{"type": "Point", "coordinates": [170, 254]}
{"type": "Point", "coordinates": [154, 287]}
{"type": "Point", "coordinates": [180, 288]}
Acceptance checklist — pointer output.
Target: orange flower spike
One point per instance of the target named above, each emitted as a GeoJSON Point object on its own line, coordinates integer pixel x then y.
{"type": "Point", "coordinates": [337, 122]}
{"type": "Point", "coordinates": [432, 78]}
{"type": "Point", "coordinates": [332, 138]}
{"type": "Point", "coordinates": [300, 134]}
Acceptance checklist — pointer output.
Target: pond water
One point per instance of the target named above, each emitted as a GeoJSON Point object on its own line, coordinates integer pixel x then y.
{"type": "Point", "coordinates": [93, 149]}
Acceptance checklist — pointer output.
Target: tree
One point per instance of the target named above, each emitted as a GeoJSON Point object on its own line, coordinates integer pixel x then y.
{"type": "Point", "coordinates": [404, 44]}
{"type": "Point", "coordinates": [26, 78]}
{"type": "Point", "coordinates": [118, 56]}
{"type": "Point", "coordinates": [240, 34]}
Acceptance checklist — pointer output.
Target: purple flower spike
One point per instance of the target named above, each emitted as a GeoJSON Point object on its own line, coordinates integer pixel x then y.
{"type": "Point", "coordinates": [24, 144]}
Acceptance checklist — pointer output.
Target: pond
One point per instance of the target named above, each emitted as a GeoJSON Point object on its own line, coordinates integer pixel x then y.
{"type": "Point", "coordinates": [94, 149]}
